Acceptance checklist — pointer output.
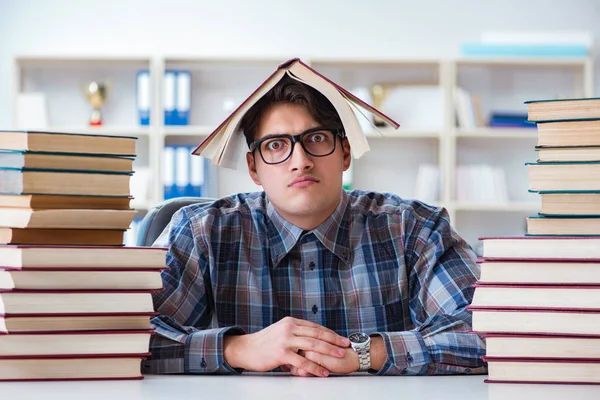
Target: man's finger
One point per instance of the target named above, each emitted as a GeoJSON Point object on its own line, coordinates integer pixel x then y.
{"type": "Point", "coordinates": [323, 334]}
{"type": "Point", "coordinates": [308, 366]}
{"type": "Point", "coordinates": [311, 344]}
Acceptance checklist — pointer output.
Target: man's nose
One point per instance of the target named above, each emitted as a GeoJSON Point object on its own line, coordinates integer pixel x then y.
{"type": "Point", "coordinates": [300, 159]}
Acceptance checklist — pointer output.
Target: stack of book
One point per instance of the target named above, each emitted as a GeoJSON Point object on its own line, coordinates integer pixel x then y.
{"type": "Point", "coordinates": [537, 302]}
{"type": "Point", "coordinates": [74, 302]}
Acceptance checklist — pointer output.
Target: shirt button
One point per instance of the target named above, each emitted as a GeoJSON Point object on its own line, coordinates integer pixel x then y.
{"type": "Point", "coordinates": [311, 265]}
{"type": "Point", "coordinates": [315, 309]}
{"type": "Point", "coordinates": [403, 372]}
{"type": "Point", "coordinates": [409, 358]}
{"type": "Point", "coordinates": [468, 371]}
{"type": "Point", "coordinates": [203, 363]}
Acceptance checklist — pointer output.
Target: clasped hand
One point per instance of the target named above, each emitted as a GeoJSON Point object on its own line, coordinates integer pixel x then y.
{"type": "Point", "coordinates": [298, 346]}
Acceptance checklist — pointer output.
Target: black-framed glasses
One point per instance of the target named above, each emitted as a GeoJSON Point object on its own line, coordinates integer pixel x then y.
{"type": "Point", "coordinates": [318, 142]}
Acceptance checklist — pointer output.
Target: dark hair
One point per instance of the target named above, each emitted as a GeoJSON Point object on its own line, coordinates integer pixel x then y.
{"type": "Point", "coordinates": [288, 90]}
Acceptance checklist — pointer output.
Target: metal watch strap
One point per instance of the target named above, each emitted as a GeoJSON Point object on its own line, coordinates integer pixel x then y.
{"type": "Point", "coordinates": [364, 358]}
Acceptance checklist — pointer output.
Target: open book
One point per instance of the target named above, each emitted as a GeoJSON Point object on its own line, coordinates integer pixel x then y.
{"type": "Point", "coordinates": [225, 145]}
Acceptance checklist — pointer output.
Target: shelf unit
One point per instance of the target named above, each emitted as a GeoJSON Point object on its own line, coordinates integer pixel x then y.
{"type": "Point", "coordinates": [218, 84]}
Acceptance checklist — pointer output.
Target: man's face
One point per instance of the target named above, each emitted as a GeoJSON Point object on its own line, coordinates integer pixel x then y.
{"type": "Point", "coordinates": [304, 189]}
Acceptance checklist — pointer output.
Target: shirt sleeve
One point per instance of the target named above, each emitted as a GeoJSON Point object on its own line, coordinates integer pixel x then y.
{"type": "Point", "coordinates": [441, 269]}
{"type": "Point", "coordinates": [184, 342]}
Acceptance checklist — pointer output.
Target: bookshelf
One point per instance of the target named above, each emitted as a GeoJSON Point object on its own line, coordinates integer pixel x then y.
{"type": "Point", "coordinates": [218, 84]}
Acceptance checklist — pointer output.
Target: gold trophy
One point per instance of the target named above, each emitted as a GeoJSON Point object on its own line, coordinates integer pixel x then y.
{"type": "Point", "coordinates": [95, 92]}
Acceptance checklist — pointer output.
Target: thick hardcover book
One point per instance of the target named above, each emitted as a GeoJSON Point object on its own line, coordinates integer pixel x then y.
{"type": "Point", "coordinates": [66, 219]}
{"type": "Point", "coordinates": [72, 367]}
{"type": "Point", "coordinates": [87, 183]}
{"type": "Point", "coordinates": [537, 272]}
{"type": "Point", "coordinates": [563, 176]}
{"type": "Point", "coordinates": [534, 370]}
{"type": "Point", "coordinates": [566, 297]}
{"type": "Point", "coordinates": [88, 257]}
{"type": "Point", "coordinates": [81, 279]}
{"type": "Point", "coordinates": [549, 346]}
{"type": "Point", "coordinates": [541, 247]}
{"type": "Point", "coordinates": [560, 109]}
{"type": "Point", "coordinates": [570, 203]}
{"type": "Point", "coordinates": [25, 323]}
{"type": "Point", "coordinates": [64, 161]}
{"type": "Point", "coordinates": [563, 225]}
{"type": "Point", "coordinates": [19, 302]}
{"type": "Point", "coordinates": [224, 146]}
{"type": "Point", "coordinates": [568, 153]}
{"type": "Point", "coordinates": [47, 344]}
{"type": "Point", "coordinates": [64, 202]}
{"type": "Point", "coordinates": [75, 237]}
{"type": "Point", "coordinates": [528, 321]}
{"type": "Point", "coordinates": [62, 142]}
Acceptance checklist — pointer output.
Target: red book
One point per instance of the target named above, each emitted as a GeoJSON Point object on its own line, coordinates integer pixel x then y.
{"type": "Point", "coordinates": [73, 279]}
{"type": "Point", "coordinates": [72, 367]}
{"type": "Point", "coordinates": [502, 320]}
{"type": "Point", "coordinates": [541, 247]}
{"type": "Point", "coordinates": [75, 302]}
{"type": "Point", "coordinates": [539, 370]}
{"type": "Point", "coordinates": [73, 343]}
{"type": "Point", "coordinates": [539, 272]}
{"type": "Point", "coordinates": [74, 322]}
{"type": "Point", "coordinates": [567, 297]}
{"type": "Point", "coordinates": [89, 257]}
{"type": "Point", "coordinates": [542, 346]}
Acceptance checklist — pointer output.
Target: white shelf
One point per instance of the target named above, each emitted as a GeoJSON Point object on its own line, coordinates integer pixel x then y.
{"type": "Point", "coordinates": [523, 206]}
{"type": "Point", "coordinates": [524, 61]}
{"type": "Point", "coordinates": [190, 130]}
{"type": "Point", "coordinates": [105, 130]}
{"type": "Point", "coordinates": [392, 164]}
{"type": "Point", "coordinates": [498, 133]}
{"type": "Point", "coordinates": [391, 133]}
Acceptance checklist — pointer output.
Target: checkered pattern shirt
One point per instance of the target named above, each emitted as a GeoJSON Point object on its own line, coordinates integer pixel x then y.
{"type": "Point", "coordinates": [379, 264]}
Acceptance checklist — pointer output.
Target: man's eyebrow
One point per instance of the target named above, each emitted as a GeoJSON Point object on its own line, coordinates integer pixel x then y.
{"type": "Point", "coordinates": [275, 135]}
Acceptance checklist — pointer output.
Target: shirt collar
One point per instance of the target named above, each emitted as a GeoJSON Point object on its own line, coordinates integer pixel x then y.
{"type": "Point", "coordinates": [333, 233]}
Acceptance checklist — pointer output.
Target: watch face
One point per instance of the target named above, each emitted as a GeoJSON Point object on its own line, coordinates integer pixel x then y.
{"type": "Point", "coordinates": [358, 337]}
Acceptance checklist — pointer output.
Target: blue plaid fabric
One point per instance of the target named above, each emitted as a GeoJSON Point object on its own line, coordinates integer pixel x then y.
{"type": "Point", "coordinates": [379, 264]}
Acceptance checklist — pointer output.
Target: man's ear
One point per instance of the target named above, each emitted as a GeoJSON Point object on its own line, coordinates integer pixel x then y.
{"type": "Point", "coordinates": [251, 162]}
{"type": "Point", "coordinates": [347, 153]}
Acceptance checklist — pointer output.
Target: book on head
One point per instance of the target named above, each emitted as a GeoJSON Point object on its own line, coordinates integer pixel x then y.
{"type": "Point", "coordinates": [224, 145]}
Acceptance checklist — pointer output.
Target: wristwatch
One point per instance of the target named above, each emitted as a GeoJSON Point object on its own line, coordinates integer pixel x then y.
{"type": "Point", "coordinates": [361, 343]}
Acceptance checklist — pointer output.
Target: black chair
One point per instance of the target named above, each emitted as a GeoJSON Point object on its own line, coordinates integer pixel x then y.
{"type": "Point", "coordinates": [159, 217]}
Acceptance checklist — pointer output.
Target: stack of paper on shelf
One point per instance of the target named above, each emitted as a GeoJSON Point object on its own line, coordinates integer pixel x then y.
{"type": "Point", "coordinates": [74, 302]}
{"type": "Point", "coordinates": [537, 302]}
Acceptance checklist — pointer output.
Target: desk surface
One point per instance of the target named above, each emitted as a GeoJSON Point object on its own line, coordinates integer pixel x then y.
{"type": "Point", "coordinates": [284, 387]}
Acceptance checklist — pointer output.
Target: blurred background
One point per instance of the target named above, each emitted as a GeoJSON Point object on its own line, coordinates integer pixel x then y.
{"type": "Point", "coordinates": [454, 74]}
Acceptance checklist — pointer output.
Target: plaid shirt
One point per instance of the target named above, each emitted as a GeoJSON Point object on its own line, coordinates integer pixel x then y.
{"type": "Point", "coordinates": [379, 264]}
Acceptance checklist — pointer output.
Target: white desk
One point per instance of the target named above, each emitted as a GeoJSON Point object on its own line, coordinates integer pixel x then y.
{"type": "Point", "coordinates": [284, 387]}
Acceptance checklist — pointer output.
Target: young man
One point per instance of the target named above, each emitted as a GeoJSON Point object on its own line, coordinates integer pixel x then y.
{"type": "Point", "coordinates": [307, 277]}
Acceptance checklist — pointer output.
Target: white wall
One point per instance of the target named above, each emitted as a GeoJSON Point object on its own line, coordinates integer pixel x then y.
{"type": "Point", "coordinates": [325, 28]}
